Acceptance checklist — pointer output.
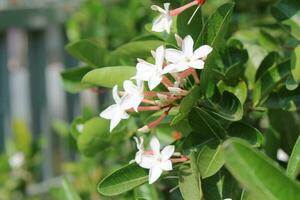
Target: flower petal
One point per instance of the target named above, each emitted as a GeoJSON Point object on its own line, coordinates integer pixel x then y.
{"type": "Point", "coordinates": [159, 24]}
{"type": "Point", "coordinates": [109, 112]}
{"type": "Point", "coordinates": [167, 152]}
{"type": "Point", "coordinates": [202, 51]}
{"type": "Point", "coordinates": [115, 94]}
{"type": "Point", "coordinates": [159, 57]}
{"type": "Point", "coordinates": [157, 8]}
{"type": "Point", "coordinates": [144, 71]}
{"type": "Point", "coordinates": [174, 55]}
{"type": "Point", "coordinates": [129, 87]}
{"type": "Point", "coordinates": [155, 145]}
{"type": "Point", "coordinates": [187, 46]}
{"type": "Point", "coordinates": [114, 122]}
{"type": "Point", "coordinates": [197, 64]}
{"type": "Point", "coordinates": [154, 174]}
{"type": "Point", "coordinates": [166, 165]}
{"type": "Point", "coordinates": [154, 81]}
{"type": "Point", "coordinates": [147, 162]}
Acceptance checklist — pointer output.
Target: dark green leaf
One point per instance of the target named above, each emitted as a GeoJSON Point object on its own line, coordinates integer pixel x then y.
{"type": "Point", "coordinates": [258, 173]}
{"type": "Point", "coordinates": [205, 124]}
{"type": "Point", "coordinates": [268, 62]}
{"type": "Point", "coordinates": [196, 25]}
{"type": "Point", "coordinates": [246, 132]}
{"type": "Point", "coordinates": [287, 13]}
{"type": "Point", "coordinates": [123, 180]}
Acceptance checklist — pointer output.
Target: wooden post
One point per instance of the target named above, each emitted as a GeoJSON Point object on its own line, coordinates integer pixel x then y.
{"type": "Point", "coordinates": [4, 92]}
{"type": "Point", "coordinates": [37, 62]}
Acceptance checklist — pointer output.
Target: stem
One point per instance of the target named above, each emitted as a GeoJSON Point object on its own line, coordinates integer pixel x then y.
{"type": "Point", "coordinates": [195, 76]}
{"type": "Point", "coordinates": [146, 108]}
{"type": "Point", "coordinates": [167, 82]}
{"type": "Point", "coordinates": [185, 73]}
{"type": "Point", "coordinates": [179, 10]}
{"type": "Point", "coordinates": [149, 102]}
{"type": "Point", "coordinates": [158, 120]}
{"type": "Point", "coordinates": [179, 160]}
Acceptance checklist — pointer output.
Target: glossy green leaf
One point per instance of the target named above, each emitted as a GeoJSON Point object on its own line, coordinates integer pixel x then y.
{"type": "Point", "coordinates": [287, 13]}
{"type": "Point", "coordinates": [190, 180]}
{"type": "Point", "coordinates": [296, 63]}
{"type": "Point", "coordinates": [269, 81]}
{"type": "Point", "coordinates": [246, 132]}
{"type": "Point", "coordinates": [210, 159]}
{"type": "Point", "coordinates": [227, 106]}
{"type": "Point", "coordinates": [284, 99]}
{"type": "Point", "coordinates": [268, 62]}
{"type": "Point", "coordinates": [187, 103]}
{"type": "Point", "coordinates": [88, 51]}
{"type": "Point", "coordinates": [240, 90]}
{"type": "Point", "coordinates": [136, 49]}
{"type": "Point", "coordinates": [293, 168]}
{"type": "Point", "coordinates": [146, 192]}
{"type": "Point", "coordinates": [72, 79]}
{"type": "Point", "coordinates": [69, 191]}
{"type": "Point", "coordinates": [211, 187]}
{"type": "Point", "coordinates": [123, 180]}
{"type": "Point", "coordinates": [94, 137]}
{"type": "Point", "coordinates": [205, 124]}
{"type": "Point", "coordinates": [258, 173]}
{"type": "Point", "coordinates": [109, 76]}
{"type": "Point", "coordinates": [213, 34]}
{"type": "Point", "coordinates": [194, 28]}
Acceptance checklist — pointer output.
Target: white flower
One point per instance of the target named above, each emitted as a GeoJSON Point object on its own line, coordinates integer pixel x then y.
{"type": "Point", "coordinates": [134, 93]}
{"type": "Point", "coordinates": [151, 72]}
{"type": "Point", "coordinates": [116, 112]}
{"type": "Point", "coordinates": [17, 160]}
{"type": "Point", "coordinates": [164, 21]}
{"type": "Point", "coordinates": [155, 160]}
{"type": "Point", "coordinates": [79, 127]}
{"type": "Point", "coordinates": [187, 57]}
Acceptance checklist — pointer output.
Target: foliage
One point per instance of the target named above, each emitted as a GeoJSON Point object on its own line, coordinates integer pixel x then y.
{"type": "Point", "coordinates": [231, 126]}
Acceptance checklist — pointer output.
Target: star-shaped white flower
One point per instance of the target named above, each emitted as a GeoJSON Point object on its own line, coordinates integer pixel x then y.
{"type": "Point", "coordinates": [117, 111]}
{"type": "Point", "coordinates": [17, 160]}
{"type": "Point", "coordinates": [155, 160]}
{"type": "Point", "coordinates": [187, 57]}
{"type": "Point", "coordinates": [164, 21]}
{"type": "Point", "coordinates": [151, 72]}
{"type": "Point", "coordinates": [134, 93]}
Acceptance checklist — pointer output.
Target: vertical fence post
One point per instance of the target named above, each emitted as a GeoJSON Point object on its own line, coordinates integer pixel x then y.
{"type": "Point", "coordinates": [4, 92]}
{"type": "Point", "coordinates": [40, 122]}
{"type": "Point", "coordinates": [73, 100]}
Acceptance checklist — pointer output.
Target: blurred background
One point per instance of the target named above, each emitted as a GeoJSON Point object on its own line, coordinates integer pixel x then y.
{"type": "Point", "coordinates": [37, 104]}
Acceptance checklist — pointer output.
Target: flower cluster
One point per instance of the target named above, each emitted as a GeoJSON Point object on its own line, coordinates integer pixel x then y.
{"type": "Point", "coordinates": [171, 67]}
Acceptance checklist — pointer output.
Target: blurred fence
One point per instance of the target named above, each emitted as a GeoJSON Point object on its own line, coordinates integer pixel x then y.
{"type": "Point", "coordinates": [41, 23]}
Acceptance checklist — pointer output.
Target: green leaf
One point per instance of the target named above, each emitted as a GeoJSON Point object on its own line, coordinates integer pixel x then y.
{"type": "Point", "coordinates": [284, 99]}
{"type": "Point", "coordinates": [213, 34]}
{"type": "Point", "coordinates": [246, 132]}
{"type": "Point", "coordinates": [205, 124]}
{"type": "Point", "coordinates": [269, 81]}
{"type": "Point", "coordinates": [88, 51]}
{"type": "Point", "coordinates": [146, 192]}
{"type": "Point", "coordinates": [69, 190]}
{"type": "Point", "coordinates": [123, 180]}
{"type": "Point", "coordinates": [136, 49]}
{"type": "Point", "coordinates": [94, 136]}
{"type": "Point", "coordinates": [72, 79]}
{"type": "Point", "coordinates": [109, 76]}
{"type": "Point", "coordinates": [296, 63]}
{"type": "Point", "coordinates": [239, 90]}
{"type": "Point", "coordinates": [293, 168]}
{"type": "Point", "coordinates": [211, 187]}
{"type": "Point", "coordinates": [210, 159]}
{"type": "Point", "coordinates": [287, 13]}
{"type": "Point", "coordinates": [227, 106]}
{"type": "Point", "coordinates": [258, 173]}
{"type": "Point", "coordinates": [195, 26]}
{"type": "Point", "coordinates": [190, 180]}
{"type": "Point", "coordinates": [268, 62]}
{"type": "Point", "coordinates": [187, 103]}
